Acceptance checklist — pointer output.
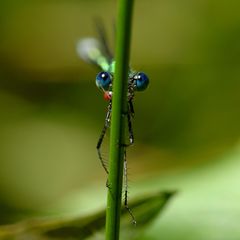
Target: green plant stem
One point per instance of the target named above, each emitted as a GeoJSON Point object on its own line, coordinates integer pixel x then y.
{"type": "Point", "coordinates": [119, 110]}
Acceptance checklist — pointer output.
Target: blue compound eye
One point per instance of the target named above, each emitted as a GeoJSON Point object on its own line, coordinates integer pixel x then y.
{"type": "Point", "coordinates": [141, 81]}
{"type": "Point", "coordinates": [103, 80]}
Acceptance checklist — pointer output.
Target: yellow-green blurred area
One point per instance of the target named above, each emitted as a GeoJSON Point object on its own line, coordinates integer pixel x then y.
{"type": "Point", "coordinates": [186, 123]}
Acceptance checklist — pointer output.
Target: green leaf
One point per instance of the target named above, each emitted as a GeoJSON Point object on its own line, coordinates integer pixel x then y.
{"type": "Point", "coordinates": [145, 210]}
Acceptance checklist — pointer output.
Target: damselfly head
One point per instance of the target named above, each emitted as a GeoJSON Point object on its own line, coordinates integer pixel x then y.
{"type": "Point", "coordinates": [104, 80]}
{"type": "Point", "coordinates": [141, 81]}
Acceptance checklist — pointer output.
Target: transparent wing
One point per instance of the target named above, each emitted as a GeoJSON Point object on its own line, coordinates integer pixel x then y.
{"type": "Point", "coordinates": [102, 36]}
{"type": "Point", "coordinates": [96, 51]}
{"type": "Point", "coordinates": [91, 51]}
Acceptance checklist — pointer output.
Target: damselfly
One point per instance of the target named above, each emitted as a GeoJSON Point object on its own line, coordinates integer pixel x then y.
{"type": "Point", "coordinates": [97, 52]}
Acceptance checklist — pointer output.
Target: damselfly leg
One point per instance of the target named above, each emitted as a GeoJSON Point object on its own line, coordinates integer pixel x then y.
{"type": "Point", "coordinates": [125, 175]}
{"type": "Point", "coordinates": [103, 133]}
{"type": "Point", "coordinates": [107, 125]}
{"type": "Point", "coordinates": [129, 117]}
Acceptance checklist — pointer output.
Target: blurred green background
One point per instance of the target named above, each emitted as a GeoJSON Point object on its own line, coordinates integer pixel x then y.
{"type": "Point", "coordinates": [186, 124]}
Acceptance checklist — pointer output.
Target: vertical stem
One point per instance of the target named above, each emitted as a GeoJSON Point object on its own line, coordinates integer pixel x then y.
{"type": "Point", "coordinates": [119, 110]}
